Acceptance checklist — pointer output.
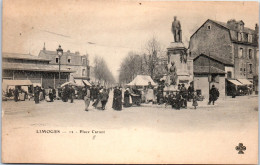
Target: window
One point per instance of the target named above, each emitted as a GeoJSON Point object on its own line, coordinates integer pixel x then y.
{"type": "Point", "coordinates": [250, 56]}
{"type": "Point", "coordinates": [250, 69]}
{"type": "Point", "coordinates": [239, 37]}
{"type": "Point", "coordinates": [250, 38]}
{"type": "Point", "coordinates": [83, 61]}
{"type": "Point", "coordinates": [69, 59]}
{"type": "Point", "coordinates": [229, 74]}
{"type": "Point", "coordinates": [244, 71]}
{"type": "Point", "coordinates": [208, 27]}
{"type": "Point", "coordinates": [57, 60]}
{"type": "Point", "coordinates": [240, 53]}
{"type": "Point", "coordinates": [83, 72]}
{"type": "Point", "coordinates": [215, 78]}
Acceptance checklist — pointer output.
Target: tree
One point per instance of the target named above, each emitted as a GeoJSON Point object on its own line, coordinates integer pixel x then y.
{"type": "Point", "coordinates": [130, 67]}
{"type": "Point", "coordinates": [101, 71]}
{"type": "Point", "coordinates": [153, 49]}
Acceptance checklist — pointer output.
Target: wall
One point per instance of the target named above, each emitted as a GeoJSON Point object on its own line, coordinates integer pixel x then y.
{"type": "Point", "coordinates": [216, 41]}
{"type": "Point", "coordinates": [201, 82]}
{"type": "Point", "coordinates": [230, 69]}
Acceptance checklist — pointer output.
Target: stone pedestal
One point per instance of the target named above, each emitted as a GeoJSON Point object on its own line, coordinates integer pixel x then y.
{"type": "Point", "coordinates": [177, 52]}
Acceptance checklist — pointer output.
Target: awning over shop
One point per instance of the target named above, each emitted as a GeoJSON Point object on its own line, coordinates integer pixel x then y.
{"type": "Point", "coordinates": [235, 82]}
{"type": "Point", "coordinates": [245, 81]}
{"type": "Point", "coordinates": [87, 82]}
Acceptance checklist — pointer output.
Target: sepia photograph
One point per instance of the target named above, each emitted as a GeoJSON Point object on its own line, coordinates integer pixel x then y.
{"type": "Point", "coordinates": [120, 81]}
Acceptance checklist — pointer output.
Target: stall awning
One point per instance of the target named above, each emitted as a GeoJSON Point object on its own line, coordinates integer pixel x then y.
{"type": "Point", "coordinates": [17, 82]}
{"type": "Point", "coordinates": [79, 82]}
{"type": "Point", "coordinates": [37, 84]}
{"type": "Point", "coordinates": [235, 82]}
{"type": "Point", "coordinates": [7, 83]}
{"type": "Point", "coordinates": [245, 81]}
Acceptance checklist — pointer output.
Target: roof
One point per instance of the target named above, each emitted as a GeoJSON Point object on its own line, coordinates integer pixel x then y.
{"type": "Point", "coordinates": [232, 31]}
{"type": "Point", "coordinates": [207, 70]}
{"type": "Point", "coordinates": [246, 30]}
{"type": "Point", "coordinates": [22, 56]}
{"type": "Point", "coordinates": [68, 53]}
{"type": "Point", "coordinates": [32, 67]}
{"type": "Point", "coordinates": [215, 58]}
{"type": "Point", "coordinates": [142, 80]}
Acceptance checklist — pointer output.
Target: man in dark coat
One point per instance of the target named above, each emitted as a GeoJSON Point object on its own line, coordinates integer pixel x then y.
{"type": "Point", "coordinates": [51, 94]}
{"type": "Point", "coordinates": [104, 98]}
{"type": "Point", "coordinates": [213, 95]}
{"type": "Point", "coordinates": [71, 94]}
{"type": "Point", "coordinates": [37, 95]}
{"type": "Point", "coordinates": [190, 91]}
{"type": "Point", "coordinates": [16, 94]}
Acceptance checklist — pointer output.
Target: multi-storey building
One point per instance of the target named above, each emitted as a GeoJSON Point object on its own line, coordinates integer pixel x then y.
{"type": "Point", "coordinates": [69, 61]}
{"type": "Point", "coordinates": [32, 68]}
{"type": "Point", "coordinates": [231, 42]}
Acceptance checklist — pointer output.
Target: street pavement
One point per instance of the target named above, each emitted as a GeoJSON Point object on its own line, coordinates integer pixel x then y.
{"type": "Point", "coordinates": [148, 130]}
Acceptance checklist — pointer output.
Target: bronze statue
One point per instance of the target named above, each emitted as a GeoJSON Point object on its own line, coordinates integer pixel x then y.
{"type": "Point", "coordinates": [173, 74]}
{"type": "Point", "coordinates": [176, 30]}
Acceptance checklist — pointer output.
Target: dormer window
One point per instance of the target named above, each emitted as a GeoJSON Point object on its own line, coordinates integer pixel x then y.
{"type": "Point", "coordinates": [250, 38]}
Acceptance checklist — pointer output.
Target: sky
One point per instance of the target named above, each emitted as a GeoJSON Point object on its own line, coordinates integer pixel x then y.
{"type": "Point", "coordinates": [115, 27]}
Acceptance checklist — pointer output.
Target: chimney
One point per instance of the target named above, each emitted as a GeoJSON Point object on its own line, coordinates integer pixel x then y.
{"type": "Point", "coordinates": [77, 53]}
{"type": "Point", "coordinates": [44, 47]}
{"type": "Point", "coordinates": [256, 28]}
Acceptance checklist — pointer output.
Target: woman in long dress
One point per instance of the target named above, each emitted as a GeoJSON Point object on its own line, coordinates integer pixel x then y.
{"type": "Point", "coordinates": [117, 102]}
{"type": "Point", "coordinates": [127, 98]}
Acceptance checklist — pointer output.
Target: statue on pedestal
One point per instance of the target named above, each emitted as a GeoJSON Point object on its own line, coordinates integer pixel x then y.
{"type": "Point", "coordinates": [176, 30]}
{"type": "Point", "coordinates": [173, 74]}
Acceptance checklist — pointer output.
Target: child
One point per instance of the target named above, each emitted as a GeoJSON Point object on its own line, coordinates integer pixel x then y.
{"type": "Point", "coordinates": [195, 99]}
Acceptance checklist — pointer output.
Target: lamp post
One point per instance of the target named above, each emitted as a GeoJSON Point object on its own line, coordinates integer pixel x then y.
{"type": "Point", "coordinates": [60, 53]}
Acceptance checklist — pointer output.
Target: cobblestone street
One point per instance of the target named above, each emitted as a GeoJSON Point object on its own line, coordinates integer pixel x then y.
{"type": "Point", "coordinates": [146, 129]}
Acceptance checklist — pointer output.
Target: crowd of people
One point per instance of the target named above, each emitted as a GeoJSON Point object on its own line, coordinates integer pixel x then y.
{"type": "Point", "coordinates": [127, 97]}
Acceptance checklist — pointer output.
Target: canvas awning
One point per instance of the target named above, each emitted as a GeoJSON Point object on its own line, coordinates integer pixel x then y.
{"type": "Point", "coordinates": [244, 81]}
{"type": "Point", "coordinates": [142, 80]}
{"type": "Point", "coordinates": [17, 82]}
{"type": "Point", "coordinates": [79, 82]}
{"type": "Point", "coordinates": [37, 84]}
{"type": "Point", "coordinates": [87, 82]}
{"type": "Point", "coordinates": [7, 83]}
{"type": "Point", "coordinates": [235, 82]}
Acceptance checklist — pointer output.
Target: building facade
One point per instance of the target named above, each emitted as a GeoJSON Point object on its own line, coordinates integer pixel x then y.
{"type": "Point", "coordinates": [229, 41]}
{"type": "Point", "coordinates": [210, 71]}
{"type": "Point", "coordinates": [28, 67]}
{"type": "Point", "coordinates": [75, 62]}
